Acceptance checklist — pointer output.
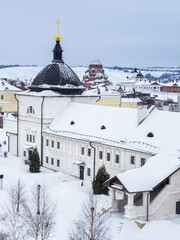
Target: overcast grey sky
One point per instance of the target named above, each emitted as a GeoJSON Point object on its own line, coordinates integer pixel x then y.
{"type": "Point", "coordinates": [120, 32]}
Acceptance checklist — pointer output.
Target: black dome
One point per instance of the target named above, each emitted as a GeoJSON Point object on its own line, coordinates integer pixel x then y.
{"type": "Point", "coordinates": [57, 76]}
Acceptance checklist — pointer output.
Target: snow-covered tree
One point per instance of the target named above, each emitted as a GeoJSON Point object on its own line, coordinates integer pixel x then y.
{"type": "Point", "coordinates": [101, 177]}
{"type": "Point", "coordinates": [11, 216]}
{"type": "Point", "coordinates": [35, 164]}
{"type": "Point", "coordinates": [39, 215]}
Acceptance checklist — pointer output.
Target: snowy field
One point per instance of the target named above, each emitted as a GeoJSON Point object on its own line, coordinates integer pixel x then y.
{"type": "Point", "coordinates": [27, 74]}
{"type": "Point", "coordinates": [68, 194]}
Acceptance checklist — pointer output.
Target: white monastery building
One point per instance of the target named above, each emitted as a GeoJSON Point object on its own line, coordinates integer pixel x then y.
{"type": "Point", "coordinates": [139, 147]}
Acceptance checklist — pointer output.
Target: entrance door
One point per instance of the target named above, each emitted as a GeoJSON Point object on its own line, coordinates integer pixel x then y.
{"type": "Point", "coordinates": [178, 207]}
{"type": "Point", "coordinates": [81, 173]}
{"type": "Point", "coordinates": [30, 154]}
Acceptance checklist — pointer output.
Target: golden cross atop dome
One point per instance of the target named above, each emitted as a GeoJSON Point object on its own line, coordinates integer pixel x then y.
{"type": "Point", "coordinates": [58, 36]}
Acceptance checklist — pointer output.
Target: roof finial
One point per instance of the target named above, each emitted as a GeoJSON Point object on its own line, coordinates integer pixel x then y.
{"type": "Point", "coordinates": [58, 36]}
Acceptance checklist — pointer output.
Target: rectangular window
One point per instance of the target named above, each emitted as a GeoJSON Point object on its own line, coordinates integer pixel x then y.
{"type": "Point", "coordinates": [47, 159]}
{"type": "Point", "coordinates": [2, 97]}
{"type": "Point", "coordinates": [24, 153]}
{"type": "Point", "coordinates": [142, 161]}
{"type": "Point", "coordinates": [89, 152]}
{"type": "Point", "coordinates": [89, 172]}
{"type": "Point", "coordinates": [47, 142]}
{"type": "Point", "coordinates": [133, 160]}
{"type": "Point", "coordinates": [108, 157]}
{"type": "Point", "coordinates": [31, 109]}
{"type": "Point", "coordinates": [100, 155]}
{"type": "Point", "coordinates": [82, 150]}
{"type": "Point", "coordinates": [33, 139]}
{"type": "Point", "coordinates": [52, 161]}
{"type": "Point", "coordinates": [58, 163]}
{"type": "Point", "coordinates": [27, 137]}
{"type": "Point", "coordinates": [30, 138]}
{"type": "Point", "coordinates": [52, 143]}
{"type": "Point", "coordinates": [117, 159]}
{"type": "Point", "coordinates": [58, 145]}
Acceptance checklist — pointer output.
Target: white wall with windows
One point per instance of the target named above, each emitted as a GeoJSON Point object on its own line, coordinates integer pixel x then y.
{"type": "Point", "coordinates": [69, 154]}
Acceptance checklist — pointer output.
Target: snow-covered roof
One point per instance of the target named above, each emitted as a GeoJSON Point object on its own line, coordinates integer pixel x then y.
{"type": "Point", "coordinates": [95, 61]}
{"type": "Point", "coordinates": [163, 125]}
{"type": "Point", "coordinates": [131, 100]}
{"type": "Point", "coordinates": [45, 93]}
{"type": "Point", "coordinates": [5, 86]}
{"type": "Point", "coordinates": [156, 169]}
{"type": "Point", "coordinates": [89, 119]}
{"type": "Point", "coordinates": [103, 92]}
{"type": "Point", "coordinates": [164, 96]}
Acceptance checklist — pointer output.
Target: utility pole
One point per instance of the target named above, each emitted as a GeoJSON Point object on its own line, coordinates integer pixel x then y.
{"type": "Point", "coordinates": [38, 210]}
{"type": "Point", "coordinates": [92, 223]}
{"type": "Point", "coordinates": [38, 207]}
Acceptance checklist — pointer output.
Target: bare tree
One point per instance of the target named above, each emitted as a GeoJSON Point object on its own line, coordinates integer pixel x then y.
{"type": "Point", "coordinates": [39, 215]}
{"type": "Point", "coordinates": [92, 225]}
{"type": "Point", "coordinates": [11, 217]}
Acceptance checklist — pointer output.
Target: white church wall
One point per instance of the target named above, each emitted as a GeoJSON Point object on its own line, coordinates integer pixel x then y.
{"type": "Point", "coordinates": [163, 205]}
{"type": "Point", "coordinates": [13, 143]}
{"type": "Point", "coordinates": [10, 123]}
{"type": "Point", "coordinates": [167, 200]}
{"type": "Point", "coordinates": [85, 99]}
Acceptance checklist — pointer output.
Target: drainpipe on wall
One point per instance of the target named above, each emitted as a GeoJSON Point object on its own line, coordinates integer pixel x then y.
{"type": "Point", "coordinates": [94, 162]}
{"type": "Point", "coordinates": [17, 124]}
{"type": "Point", "coordinates": [8, 140]}
{"type": "Point", "coordinates": [99, 98]}
{"type": "Point", "coordinates": [147, 218]}
{"type": "Point", "coordinates": [42, 131]}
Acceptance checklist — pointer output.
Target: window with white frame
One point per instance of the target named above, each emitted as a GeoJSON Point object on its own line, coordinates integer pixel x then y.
{"type": "Point", "coordinates": [58, 145]}
{"type": "Point", "coordinates": [108, 157]}
{"type": "Point", "coordinates": [100, 155]}
{"type": "Point", "coordinates": [82, 150]}
{"type": "Point", "coordinates": [89, 152]}
{"type": "Point", "coordinates": [58, 163]}
{"type": "Point", "coordinates": [142, 161]}
{"type": "Point", "coordinates": [132, 160]}
{"type": "Point", "coordinates": [117, 158]}
{"type": "Point", "coordinates": [30, 110]}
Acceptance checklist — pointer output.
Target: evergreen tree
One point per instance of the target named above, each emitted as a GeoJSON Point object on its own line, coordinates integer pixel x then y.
{"type": "Point", "coordinates": [101, 177]}
{"type": "Point", "coordinates": [34, 165]}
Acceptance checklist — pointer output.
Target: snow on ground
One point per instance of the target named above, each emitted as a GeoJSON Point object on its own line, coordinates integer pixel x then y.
{"type": "Point", "coordinates": [68, 194]}
{"type": "Point", "coordinates": [114, 75]}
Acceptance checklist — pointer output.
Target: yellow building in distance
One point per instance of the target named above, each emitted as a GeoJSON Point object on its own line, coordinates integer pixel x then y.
{"type": "Point", "coordinates": [118, 101]}
{"type": "Point", "coordinates": [8, 102]}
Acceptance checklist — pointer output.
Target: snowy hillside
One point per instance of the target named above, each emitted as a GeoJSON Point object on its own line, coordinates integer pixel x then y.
{"type": "Point", "coordinates": [115, 76]}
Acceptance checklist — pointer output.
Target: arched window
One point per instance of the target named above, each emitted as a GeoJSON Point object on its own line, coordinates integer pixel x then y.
{"type": "Point", "coordinates": [30, 110]}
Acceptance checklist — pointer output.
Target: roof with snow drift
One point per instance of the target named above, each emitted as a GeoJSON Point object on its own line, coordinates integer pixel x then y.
{"type": "Point", "coordinates": [141, 179]}
{"type": "Point", "coordinates": [57, 76]}
{"type": "Point", "coordinates": [89, 121]}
